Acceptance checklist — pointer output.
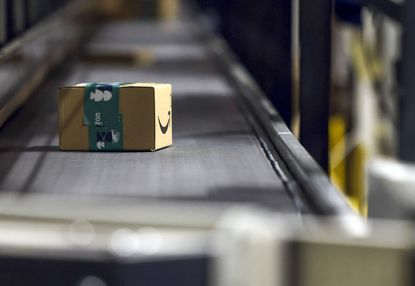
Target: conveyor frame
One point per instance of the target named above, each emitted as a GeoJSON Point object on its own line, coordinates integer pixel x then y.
{"type": "Point", "coordinates": [308, 185]}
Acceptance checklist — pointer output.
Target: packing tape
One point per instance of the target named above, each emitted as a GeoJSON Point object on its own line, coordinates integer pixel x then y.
{"type": "Point", "coordinates": [102, 116]}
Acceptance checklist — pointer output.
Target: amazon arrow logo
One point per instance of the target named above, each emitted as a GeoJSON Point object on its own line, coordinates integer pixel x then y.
{"type": "Point", "coordinates": [164, 128]}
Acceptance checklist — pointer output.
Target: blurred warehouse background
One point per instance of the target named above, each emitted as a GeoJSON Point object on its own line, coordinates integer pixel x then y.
{"type": "Point", "coordinates": [293, 156]}
{"type": "Point", "coordinates": [360, 46]}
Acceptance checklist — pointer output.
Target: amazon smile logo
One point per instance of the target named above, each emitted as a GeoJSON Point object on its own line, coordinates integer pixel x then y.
{"type": "Point", "coordinates": [164, 128]}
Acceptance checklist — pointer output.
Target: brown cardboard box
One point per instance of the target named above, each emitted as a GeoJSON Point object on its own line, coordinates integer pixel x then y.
{"type": "Point", "coordinates": [118, 9]}
{"type": "Point", "coordinates": [115, 117]}
{"type": "Point", "coordinates": [164, 10]}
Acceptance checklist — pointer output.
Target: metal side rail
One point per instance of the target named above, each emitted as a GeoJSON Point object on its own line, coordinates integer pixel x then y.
{"type": "Point", "coordinates": [313, 184]}
{"type": "Point", "coordinates": [26, 60]}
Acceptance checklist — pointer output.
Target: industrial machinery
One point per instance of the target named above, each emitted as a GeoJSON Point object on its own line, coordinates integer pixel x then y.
{"type": "Point", "coordinates": [237, 199]}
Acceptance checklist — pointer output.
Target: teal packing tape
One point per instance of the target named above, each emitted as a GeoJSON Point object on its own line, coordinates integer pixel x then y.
{"type": "Point", "coordinates": [101, 115]}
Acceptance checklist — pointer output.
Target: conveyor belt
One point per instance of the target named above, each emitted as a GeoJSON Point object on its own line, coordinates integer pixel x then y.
{"type": "Point", "coordinates": [216, 155]}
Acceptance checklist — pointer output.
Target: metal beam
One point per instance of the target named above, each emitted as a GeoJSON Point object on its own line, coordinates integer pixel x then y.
{"type": "Point", "coordinates": [406, 130]}
{"type": "Point", "coordinates": [3, 22]}
{"type": "Point", "coordinates": [315, 70]}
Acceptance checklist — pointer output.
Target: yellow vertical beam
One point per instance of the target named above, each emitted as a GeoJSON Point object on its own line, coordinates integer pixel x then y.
{"type": "Point", "coordinates": [337, 144]}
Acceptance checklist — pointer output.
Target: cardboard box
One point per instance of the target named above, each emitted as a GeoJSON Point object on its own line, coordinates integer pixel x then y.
{"type": "Point", "coordinates": [115, 117]}
{"type": "Point", "coordinates": [163, 10]}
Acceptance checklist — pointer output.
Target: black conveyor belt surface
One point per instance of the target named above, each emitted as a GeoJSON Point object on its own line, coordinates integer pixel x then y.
{"type": "Point", "coordinates": [215, 156]}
